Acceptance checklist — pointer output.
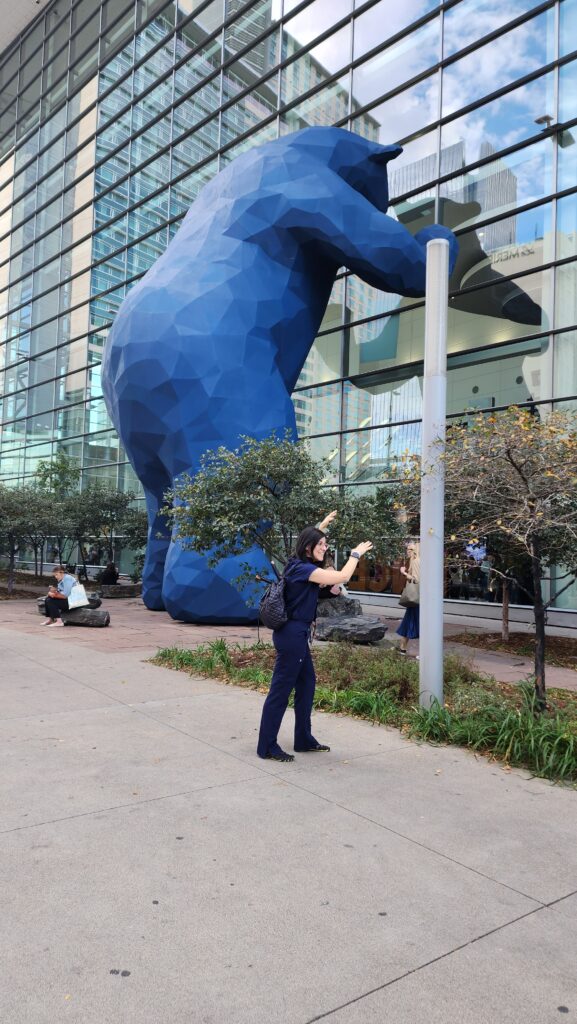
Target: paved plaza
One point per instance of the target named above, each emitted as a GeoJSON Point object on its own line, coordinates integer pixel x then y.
{"type": "Point", "coordinates": [154, 871]}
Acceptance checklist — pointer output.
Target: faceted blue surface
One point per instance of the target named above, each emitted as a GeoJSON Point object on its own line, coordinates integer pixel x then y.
{"type": "Point", "coordinates": [210, 343]}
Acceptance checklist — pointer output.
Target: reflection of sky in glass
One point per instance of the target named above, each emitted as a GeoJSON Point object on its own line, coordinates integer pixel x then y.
{"type": "Point", "coordinates": [397, 64]}
{"type": "Point", "coordinates": [568, 91]}
{"type": "Point", "coordinates": [405, 113]}
{"type": "Point", "coordinates": [568, 26]}
{"type": "Point", "coordinates": [501, 123]}
{"type": "Point", "coordinates": [472, 19]}
{"type": "Point", "coordinates": [384, 21]}
{"type": "Point", "coordinates": [521, 51]}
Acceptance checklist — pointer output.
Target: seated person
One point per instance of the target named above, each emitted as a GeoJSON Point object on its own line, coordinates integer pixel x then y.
{"type": "Point", "coordinates": [56, 600]}
{"type": "Point", "coordinates": [109, 576]}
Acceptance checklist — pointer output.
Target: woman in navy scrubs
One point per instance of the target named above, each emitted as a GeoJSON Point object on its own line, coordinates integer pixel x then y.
{"type": "Point", "coordinates": [294, 668]}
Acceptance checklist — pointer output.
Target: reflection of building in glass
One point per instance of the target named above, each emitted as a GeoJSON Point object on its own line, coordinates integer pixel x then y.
{"type": "Point", "coordinates": [114, 115]}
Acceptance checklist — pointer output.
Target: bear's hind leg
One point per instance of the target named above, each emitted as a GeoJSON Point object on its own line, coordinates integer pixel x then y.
{"type": "Point", "coordinates": [156, 549]}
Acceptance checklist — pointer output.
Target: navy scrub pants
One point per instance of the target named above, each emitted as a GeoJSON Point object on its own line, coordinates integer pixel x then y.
{"type": "Point", "coordinates": [293, 670]}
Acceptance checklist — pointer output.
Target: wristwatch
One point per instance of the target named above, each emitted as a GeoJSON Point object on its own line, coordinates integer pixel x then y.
{"type": "Point", "coordinates": [354, 554]}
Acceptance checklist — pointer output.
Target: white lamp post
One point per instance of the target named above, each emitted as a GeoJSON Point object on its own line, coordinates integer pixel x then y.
{"type": "Point", "coordinates": [433, 475]}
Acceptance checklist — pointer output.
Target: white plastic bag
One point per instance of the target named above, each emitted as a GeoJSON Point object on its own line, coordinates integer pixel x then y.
{"type": "Point", "coordinates": [77, 597]}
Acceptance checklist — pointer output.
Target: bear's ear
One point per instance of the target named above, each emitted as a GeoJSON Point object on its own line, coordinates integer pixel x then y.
{"type": "Point", "coordinates": [386, 153]}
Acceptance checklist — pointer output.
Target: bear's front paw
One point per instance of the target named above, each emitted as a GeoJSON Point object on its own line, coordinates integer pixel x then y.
{"type": "Point", "coordinates": [438, 231]}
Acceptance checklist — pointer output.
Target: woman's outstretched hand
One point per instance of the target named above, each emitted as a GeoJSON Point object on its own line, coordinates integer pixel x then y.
{"type": "Point", "coordinates": [363, 547]}
{"type": "Point", "coordinates": [327, 520]}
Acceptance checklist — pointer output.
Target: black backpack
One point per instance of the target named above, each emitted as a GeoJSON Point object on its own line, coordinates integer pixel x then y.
{"type": "Point", "coordinates": [272, 608]}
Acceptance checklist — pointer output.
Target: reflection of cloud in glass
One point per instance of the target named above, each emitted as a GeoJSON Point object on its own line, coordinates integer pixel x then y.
{"type": "Point", "coordinates": [384, 21]}
{"type": "Point", "coordinates": [511, 56]}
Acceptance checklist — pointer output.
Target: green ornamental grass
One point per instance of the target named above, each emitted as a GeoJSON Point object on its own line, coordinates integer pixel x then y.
{"type": "Point", "coordinates": [495, 719]}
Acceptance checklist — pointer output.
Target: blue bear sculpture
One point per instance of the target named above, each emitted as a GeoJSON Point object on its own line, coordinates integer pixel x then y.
{"type": "Point", "coordinates": [209, 344]}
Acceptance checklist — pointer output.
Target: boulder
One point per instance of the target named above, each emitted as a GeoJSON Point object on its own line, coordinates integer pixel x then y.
{"type": "Point", "coordinates": [94, 601]}
{"type": "Point", "coordinates": [357, 629]}
{"type": "Point", "coordinates": [329, 607]}
{"type": "Point", "coordinates": [96, 617]}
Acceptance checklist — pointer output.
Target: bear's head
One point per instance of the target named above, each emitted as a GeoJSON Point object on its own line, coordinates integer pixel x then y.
{"type": "Point", "coordinates": [359, 161]}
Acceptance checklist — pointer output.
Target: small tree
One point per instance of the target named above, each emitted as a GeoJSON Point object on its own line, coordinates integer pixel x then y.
{"type": "Point", "coordinates": [104, 513]}
{"type": "Point", "coordinates": [516, 475]}
{"type": "Point", "coordinates": [14, 520]}
{"type": "Point", "coordinates": [135, 535]}
{"type": "Point", "coordinates": [59, 476]}
{"type": "Point", "coordinates": [263, 494]}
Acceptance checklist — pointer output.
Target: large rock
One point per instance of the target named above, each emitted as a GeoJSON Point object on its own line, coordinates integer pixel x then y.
{"type": "Point", "coordinates": [95, 617]}
{"type": "Point", "coordinates": [329, 607]}
{"type": "Point", "coordinates": [94, 601]}
{"type": "Point", "coordinates": [357, 629]}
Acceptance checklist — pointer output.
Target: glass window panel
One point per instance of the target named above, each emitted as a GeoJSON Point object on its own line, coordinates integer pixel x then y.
{"type": "Point", "coordinates": [70, 422]}
{"type": "Point", "coordinates": [510, 181]}
{"type": "Point", "coordinates": [84, 68]}
{"type": "Point", "coordinates": [39, 428]}
{"type": "Point", "coordinates": [397, 64]}
{"type": "Point", "coordinates": [55, 97]}
{"type": "Point", "coordinates": [101, 448]}
{"type": "Point", "coordinates": [498, 125]}
{"type": "Point", "coordinates": [566, 227]}
{"type": "Point", "coordinates": [212, 15]}
{"type": "Point", "coordinates": [32, 40]}
{"type": "Point", "coordinates": [245, 30]}
{"type": "Point", "coordinates": [117, 33]}
{"type": "Point", "coordinates": [247, 113]}
{"type": "Point", "coordinates": [368, 27]}
{"type": "Point", "coordinates": [155, 31]}
{"type": "Point", "coordinates": [370, 454]}
{"type": "Point", "coordinates": [183, 194]}
{"type": "Point", "coordinates": [566, 158]}
{"type": "Point", "coordinates": [87, 35]}
{"type": "Point", "coordinates": [327, 448]}
{"type": "Point", "coordinates": [568, 91]}
{"type": "Point", "coordinates": [470, 20]}
{"type": "Point", "coordinates": [316, 66]}
{"type": "Point", "coordinates": [9, 68]}
{"type": "Point", "coordinates": [565, 362]}
{"type": "Point", "coordinates": [567, 26]}
{"type": "Point", "coordinates": [30, 72]}
{"type": "Point", "coordinates": [516, 53]}
{"type": "Point", "coordinates": [403, 115]}
{"type": "Point", "coordinates": [40, 398]}
{"type": "Point", "coordinates": [318, 410]}
{"type": "Point", "coordinates": [97, 416]}
{"type": "Point", "coordinates": [237, 78]}
{"type": "Point", "coordinates": [324, 108]}
{"type": "Point", "coordinates": [566, 296]}
{"type": "Point", "coordinates": [317, 18]}
{"type": "Point", "coordinates": [324, 359]}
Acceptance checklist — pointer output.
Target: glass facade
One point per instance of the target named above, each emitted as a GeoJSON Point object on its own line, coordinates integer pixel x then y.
{"type": "Point", "coordinates": [113, 115]}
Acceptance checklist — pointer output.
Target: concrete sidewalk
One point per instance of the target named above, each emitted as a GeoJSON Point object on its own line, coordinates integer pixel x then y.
{"type": "Point", "coordinates": [134, 628]}
{"type": "Point", "coordinates": [156, 872]}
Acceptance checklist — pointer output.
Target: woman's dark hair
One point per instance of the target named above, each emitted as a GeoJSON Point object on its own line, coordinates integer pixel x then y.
{"type": "Point", "coordinates": [309, 538]}
{"type": "Point", "coordinates": [110, 565]}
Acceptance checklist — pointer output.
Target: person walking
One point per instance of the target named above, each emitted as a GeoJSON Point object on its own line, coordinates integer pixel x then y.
{"type": "Point", "coordinates": [56, 600]}
{"type": "Point", "coordinates": [409, 627]}
{"type": "Point", "coordinates": [294, 669]}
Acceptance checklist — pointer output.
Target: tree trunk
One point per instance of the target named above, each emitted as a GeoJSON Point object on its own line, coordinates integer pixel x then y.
{"type": "Point", "coordinates": [505, 611]}
{"type": "Point", "coordinates": [539, 613]}
{"type": "Point", "coordinates": [11, 566]}
{"type": "Point", "coordinates": [42, 558]}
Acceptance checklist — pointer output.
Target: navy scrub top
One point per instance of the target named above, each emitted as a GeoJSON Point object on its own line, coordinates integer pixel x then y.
{"type": "Point", "coordinates": [300, 596]}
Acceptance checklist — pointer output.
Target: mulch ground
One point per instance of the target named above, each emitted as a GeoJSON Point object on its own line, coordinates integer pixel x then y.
{"type": "Point", "coordinates": [559, 650]}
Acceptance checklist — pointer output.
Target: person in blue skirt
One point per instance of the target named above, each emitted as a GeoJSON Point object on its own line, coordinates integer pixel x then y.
{"type": "Point", "coordinates": [294, 669]}
{"type": "Point", "coordinates": [409, 627]}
